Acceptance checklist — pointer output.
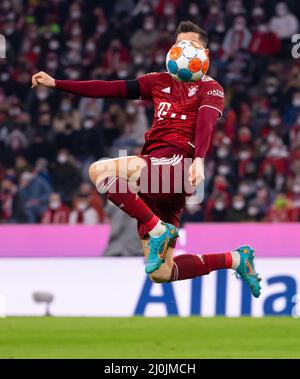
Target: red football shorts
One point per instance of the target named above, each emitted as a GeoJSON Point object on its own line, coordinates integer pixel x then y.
{"type": "Point", "coordinates": [164, 186]}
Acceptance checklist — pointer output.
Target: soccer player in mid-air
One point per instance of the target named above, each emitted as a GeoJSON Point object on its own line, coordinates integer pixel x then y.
{"type": "Point", "coordinates": [185, 114]}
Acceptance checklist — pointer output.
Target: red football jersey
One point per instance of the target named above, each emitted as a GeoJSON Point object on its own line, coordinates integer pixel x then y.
{"type": "Point", "coordinates": [176, 106]}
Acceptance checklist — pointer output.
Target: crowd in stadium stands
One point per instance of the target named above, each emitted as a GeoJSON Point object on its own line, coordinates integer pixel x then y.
{"type": "Point", "coordinates": [48, 138]}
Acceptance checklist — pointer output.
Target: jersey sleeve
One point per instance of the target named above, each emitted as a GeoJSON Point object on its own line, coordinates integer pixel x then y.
{"type": "Point", "coordinates": [206, 121]}
{"type": "Point", "coordinates": [213, 97]}
{"type": "Point", "coordinates": [146, 83]}
{"type": "Point", "coordinates": [94, 88]}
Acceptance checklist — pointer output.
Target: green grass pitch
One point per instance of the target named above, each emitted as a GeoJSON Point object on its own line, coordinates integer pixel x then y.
{"type": "Point", "coordinates": [171, 337]}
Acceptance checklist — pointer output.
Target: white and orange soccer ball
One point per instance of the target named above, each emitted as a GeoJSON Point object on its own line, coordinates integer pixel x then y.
{"type": "Point", "coordinates": [187, 62]}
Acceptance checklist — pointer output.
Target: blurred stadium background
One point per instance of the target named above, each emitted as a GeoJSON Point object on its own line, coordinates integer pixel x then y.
{"type": "Point", "coordinates": [55, 230]}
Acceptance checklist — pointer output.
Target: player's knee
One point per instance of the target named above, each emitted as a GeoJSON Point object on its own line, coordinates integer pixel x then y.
{"type": "Point", "coordinates": [93, 172]}
{"type": "Point", "coordinates": [97, 169]}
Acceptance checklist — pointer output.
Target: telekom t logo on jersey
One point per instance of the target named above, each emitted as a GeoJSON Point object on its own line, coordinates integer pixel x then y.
{"type": "Point", "coordinates": [164, 110]}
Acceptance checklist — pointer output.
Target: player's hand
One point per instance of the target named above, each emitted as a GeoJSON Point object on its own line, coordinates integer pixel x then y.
{"type": "Point", "coordinates": [43, 79]}
{"type": "Point", "coordinates": [196, 172]}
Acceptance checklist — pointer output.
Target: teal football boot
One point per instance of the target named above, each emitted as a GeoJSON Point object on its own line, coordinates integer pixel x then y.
{"type": "Point", "coordinates": [246, 269]}
{"type": "Point", "coordinates": [159, 248]}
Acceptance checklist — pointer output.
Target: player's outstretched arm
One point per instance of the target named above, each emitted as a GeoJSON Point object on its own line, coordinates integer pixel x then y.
{"type": "Point", "coordinates": [206, 121]}
{"type": "Point", "coordinates": [121, 89]}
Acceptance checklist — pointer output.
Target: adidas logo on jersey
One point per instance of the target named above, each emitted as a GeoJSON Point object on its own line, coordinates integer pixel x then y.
{"type": "Point", "coordinates": [207, 78]}
{"type": "Point", "coordinates": [166, 90]}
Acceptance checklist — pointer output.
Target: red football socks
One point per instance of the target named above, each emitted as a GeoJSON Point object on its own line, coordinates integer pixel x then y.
{"type": "Point", "coordinates": [131, 204]}
{"type": "Point", "coordinates": [188, 266]}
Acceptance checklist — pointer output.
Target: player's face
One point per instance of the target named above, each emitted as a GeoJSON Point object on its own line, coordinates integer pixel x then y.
{"type": "Point", "coordinates": [190, 36]}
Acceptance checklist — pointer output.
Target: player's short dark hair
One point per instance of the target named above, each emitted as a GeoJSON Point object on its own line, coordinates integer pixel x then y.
{"type": "Point", "coordinates": [189, 26]}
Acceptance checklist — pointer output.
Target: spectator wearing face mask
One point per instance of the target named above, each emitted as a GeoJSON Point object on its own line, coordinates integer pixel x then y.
{"type": "Point", "coordinates": [244, 136]}
{"type": "Point", "coordinates": [52, 58]}
{"type": "Point", "coordinates": [90, 53]}
{"type": "Point", "coordinates": [82, 212]}
{"type": "Point", "coordinates": [217, 204]}
{"type": "Point", "coordinates": [264, 44]}
{"type": "Point", "coordinates": [218, 211]}
{"type": "Point", "coordinates": [247, 189]}
{"type": "Point", "coordinates": [89, 142]}
{"type": "Point", "coordinates": [136, 124]}
{"type": "Point", "coordinates": [220, 188]}
{"type": "Point", "coordinates": [100, 25]}
{"type": "Point", "coordinates": [33, 192]}
{"type": "Point", "coordinates": [115, 57]}
{"type": "Point", "coordinates": [245, 158]}
{"type": "Point", "coordinates": [276, 157]}
{"type": "Point", "coordinates": [234, 8]}
{"type": "Point", "coordinates": [192, 213]}
{"type": "Point", "coordinates": [222, 151]}
{"type": "Point", "coordinates": [273, 92]}
{"type": "Point", "coordinates": [226, 170]}
{"type": "Point", "coordinates": [284, 23]}
{"type": "Point", "coordinates": [237, 37]}
{"type": "Point", "coordinates": [275, 121]}
{"type": "Point", "coordinates": [258, 15]}
{"type": "Point", "coordinates": [166, 9]}
{"type": "Point", "coordinates": [158, 60]}
{"type": "Point", "coordinates": [67, 115]}
{"type": "Point", "coordinates": [90, 107]}
{"type": "Point", "coordinates": [194, 13]}
{"type": "Point", "coordinates": [87, 190]}
{"type": "Point", "coordinates": [238, 209]}
{"type": "Point", "coordinates": [244, 150]}
{"type": "Point", "coordinates": [144, 40]}
{"type": "Point", "coordinates": [66, 176]}
{"type": "Point", "coordinates": [254, 213]}
{"type": "Point", "coordinates": [57, 212]}
{"type": "Point", "coordinates": [41, 96]}
{"type": "Point", "coordinates": [17, 142]}
{"type": "Point", "coordinates": [264, 197]}
{"type": "Point", "coordinates": [215, 17]}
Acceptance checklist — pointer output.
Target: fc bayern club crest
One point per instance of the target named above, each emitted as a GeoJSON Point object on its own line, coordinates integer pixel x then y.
{"type": "Point", "coordinates": [192, 91]}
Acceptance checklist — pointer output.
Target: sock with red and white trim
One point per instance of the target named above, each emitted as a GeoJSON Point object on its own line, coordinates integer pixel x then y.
{"type": "Point", "coordinates": [188, 266]}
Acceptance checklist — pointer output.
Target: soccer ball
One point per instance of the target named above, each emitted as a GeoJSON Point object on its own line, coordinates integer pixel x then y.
{"type": "Point", "coordinates": [187, 62]}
